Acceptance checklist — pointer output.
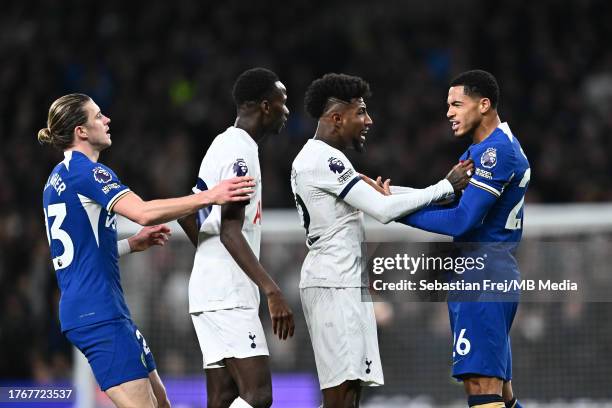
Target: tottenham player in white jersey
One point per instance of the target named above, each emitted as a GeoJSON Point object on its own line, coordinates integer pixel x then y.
{"type": "Point", "coordinates": [227, 276]}
{"type": "Point", "coordinates": [331, 196]}
{"type": "Point", "coordinates": [80, 201]}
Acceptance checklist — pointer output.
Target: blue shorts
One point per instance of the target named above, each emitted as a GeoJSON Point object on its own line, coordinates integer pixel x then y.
{"type": "Point", "coordinates": [116, 351]}
{"type": "Point", "coordinates": [481, 338]}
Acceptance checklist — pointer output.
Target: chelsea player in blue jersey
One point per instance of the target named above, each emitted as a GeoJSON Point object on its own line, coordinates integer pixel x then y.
{"type": "Point", "coordinates": [489, 211]}
{"type": "Point", "coordinates": [80, 201]}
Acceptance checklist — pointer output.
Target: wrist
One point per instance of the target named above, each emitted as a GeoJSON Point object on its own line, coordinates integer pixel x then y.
{"type": "Point", "coordinates": [207, 198]}
{"type": "Point", "coordinates": [273, 291]}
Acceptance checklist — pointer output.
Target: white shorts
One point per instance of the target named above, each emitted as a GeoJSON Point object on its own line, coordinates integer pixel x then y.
{"type": "Point", "coordinates": [342, 330]}
{"type": "Point", "coordinates": [229, 333]}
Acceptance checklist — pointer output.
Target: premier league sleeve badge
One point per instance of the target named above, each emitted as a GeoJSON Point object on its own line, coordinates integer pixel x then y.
{"type": "Point", "coordinates": [488, 159]}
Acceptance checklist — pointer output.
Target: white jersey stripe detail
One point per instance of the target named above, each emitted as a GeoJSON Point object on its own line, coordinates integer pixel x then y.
{"type": "Point", "coordinates": [505, 128]}
{"type": "Point", "coordinates": [93, 210]}
{"type": "Point", "coordinates": [485, 187]}
{"type": "Point", "coordinates": [67, 158]}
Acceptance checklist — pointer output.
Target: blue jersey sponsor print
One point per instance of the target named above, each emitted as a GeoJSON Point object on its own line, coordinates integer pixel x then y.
{"type": "Point", "coordinates": [78, 199]}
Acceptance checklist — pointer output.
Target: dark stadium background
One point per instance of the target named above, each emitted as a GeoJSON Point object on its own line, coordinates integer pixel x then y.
{"type": "Point", "coordinates": [162, 71]}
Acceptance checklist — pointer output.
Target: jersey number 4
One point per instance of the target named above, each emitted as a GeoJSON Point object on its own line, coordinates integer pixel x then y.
{"type": "Point", "coordinates": [58, 212]}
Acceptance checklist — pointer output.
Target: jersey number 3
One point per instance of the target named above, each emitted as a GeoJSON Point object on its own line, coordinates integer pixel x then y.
{"type": "Point", "coordinates": [58, 212]}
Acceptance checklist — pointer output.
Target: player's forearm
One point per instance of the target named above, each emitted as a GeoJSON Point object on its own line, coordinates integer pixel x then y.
{"type": "Point", "coordinates": [395, 190]}
{"type": "Point", "coordinates": [159, 211]}
{"type": "Point", "coordinates": [389, 208]}
{"type": "Point", "coordinates": [453, 222]}
{"type": "Point", "coordinates": [239, 249]}
{"type": "Point", "coordinates": [456, 221]}
{"type": "Point", "coordinates": [190, 227]}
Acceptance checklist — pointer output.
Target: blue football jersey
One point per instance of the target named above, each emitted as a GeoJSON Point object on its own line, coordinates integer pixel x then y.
{"type": "Point", "coordinates": [487, 221]}
{"type": "Point", "coordinates": [82, 231]}
{"type": "Point", "coordinates": [500, 168]}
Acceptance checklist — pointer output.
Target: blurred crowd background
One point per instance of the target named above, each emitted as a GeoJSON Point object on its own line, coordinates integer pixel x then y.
{"type": "Point", "coordinates": [163, 71]}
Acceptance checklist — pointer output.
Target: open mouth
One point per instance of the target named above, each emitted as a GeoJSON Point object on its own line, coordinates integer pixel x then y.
{"type": "Point", "coordinates": [454, 125]}
{"type": "Point", "coordinates": [363, 135]}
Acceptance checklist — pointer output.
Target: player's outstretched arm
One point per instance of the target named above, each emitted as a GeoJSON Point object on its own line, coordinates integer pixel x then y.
{"type": "Point", "coordinates": [383, 188]}
{"type": "Point", "coordinates": [232, 219]}
{"type": "Point", "coordinates": [458, 176]}
{"type": "Point", "coordinates": [472, 208]}
{"type": "Point", "coordinates": [159, 211]}
{"type": "Point", "coordinates": [386, 208]}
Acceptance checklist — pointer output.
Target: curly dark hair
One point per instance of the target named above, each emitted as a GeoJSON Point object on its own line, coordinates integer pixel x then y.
{"type": "Point", "coordinates": [339, 86]}
{"type": "Point", "coordinates": [478, 82]}
{"type": "Point", "coordinates": [254, 85]}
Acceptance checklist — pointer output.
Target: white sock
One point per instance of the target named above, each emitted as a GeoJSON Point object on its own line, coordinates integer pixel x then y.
{"type": "Point", "coordinates": [240, 403]}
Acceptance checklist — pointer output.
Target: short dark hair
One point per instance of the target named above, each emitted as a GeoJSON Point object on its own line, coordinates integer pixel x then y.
{"type": "Point", "coordinates": [339, 86]}
{"type": "Point", "coordinates": [479, 82]}
{"type": "Point", "coordinates": [254, 85]}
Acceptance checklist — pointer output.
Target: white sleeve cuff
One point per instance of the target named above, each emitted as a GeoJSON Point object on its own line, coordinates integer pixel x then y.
{"type": "Point", "coordinates": [123, 247]}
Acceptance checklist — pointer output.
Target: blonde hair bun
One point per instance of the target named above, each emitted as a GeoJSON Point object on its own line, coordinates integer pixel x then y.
{"type": "Point", "coordinates": [44, 136]}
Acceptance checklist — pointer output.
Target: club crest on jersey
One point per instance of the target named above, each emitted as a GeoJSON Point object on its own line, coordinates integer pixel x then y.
{"type": "Point", "coordinates": [101, 175]}
{"type": "Point", "coordinates": [489, 158]}
{"type": "Point", "coordinates": [240, 167]}
{"type": "Point", "coordinates": [335, 165]}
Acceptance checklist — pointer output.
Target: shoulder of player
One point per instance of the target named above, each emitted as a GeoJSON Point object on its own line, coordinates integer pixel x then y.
{"type": "Point", "coordinates": [236, 137]}
{"type": "Point", "coordinates": [317, 156]}
{"type": "Point", "coordinates": [232, 141]}
{"type": "Point", "coordinates": [498, 148]}
{"type": "Point", "coordinates": [82, 171]}
{"type": "Point", "coordinates": [226, 150]}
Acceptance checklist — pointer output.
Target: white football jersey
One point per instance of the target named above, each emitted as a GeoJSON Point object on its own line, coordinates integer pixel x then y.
{"type": "Point", "coordinates": [217, 282]}
{"type": "Point", "coordinates": [320, 178]}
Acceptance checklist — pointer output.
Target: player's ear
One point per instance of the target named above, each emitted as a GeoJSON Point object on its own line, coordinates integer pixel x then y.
{"type": "Point", "coordinates": [80, 132]}
{"type": "Point", "coordinates": [484, 105]}
{"type": "Point", "coordinates": [336, 118]}
{"type": "Point", "coordinates": [264, 105]}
